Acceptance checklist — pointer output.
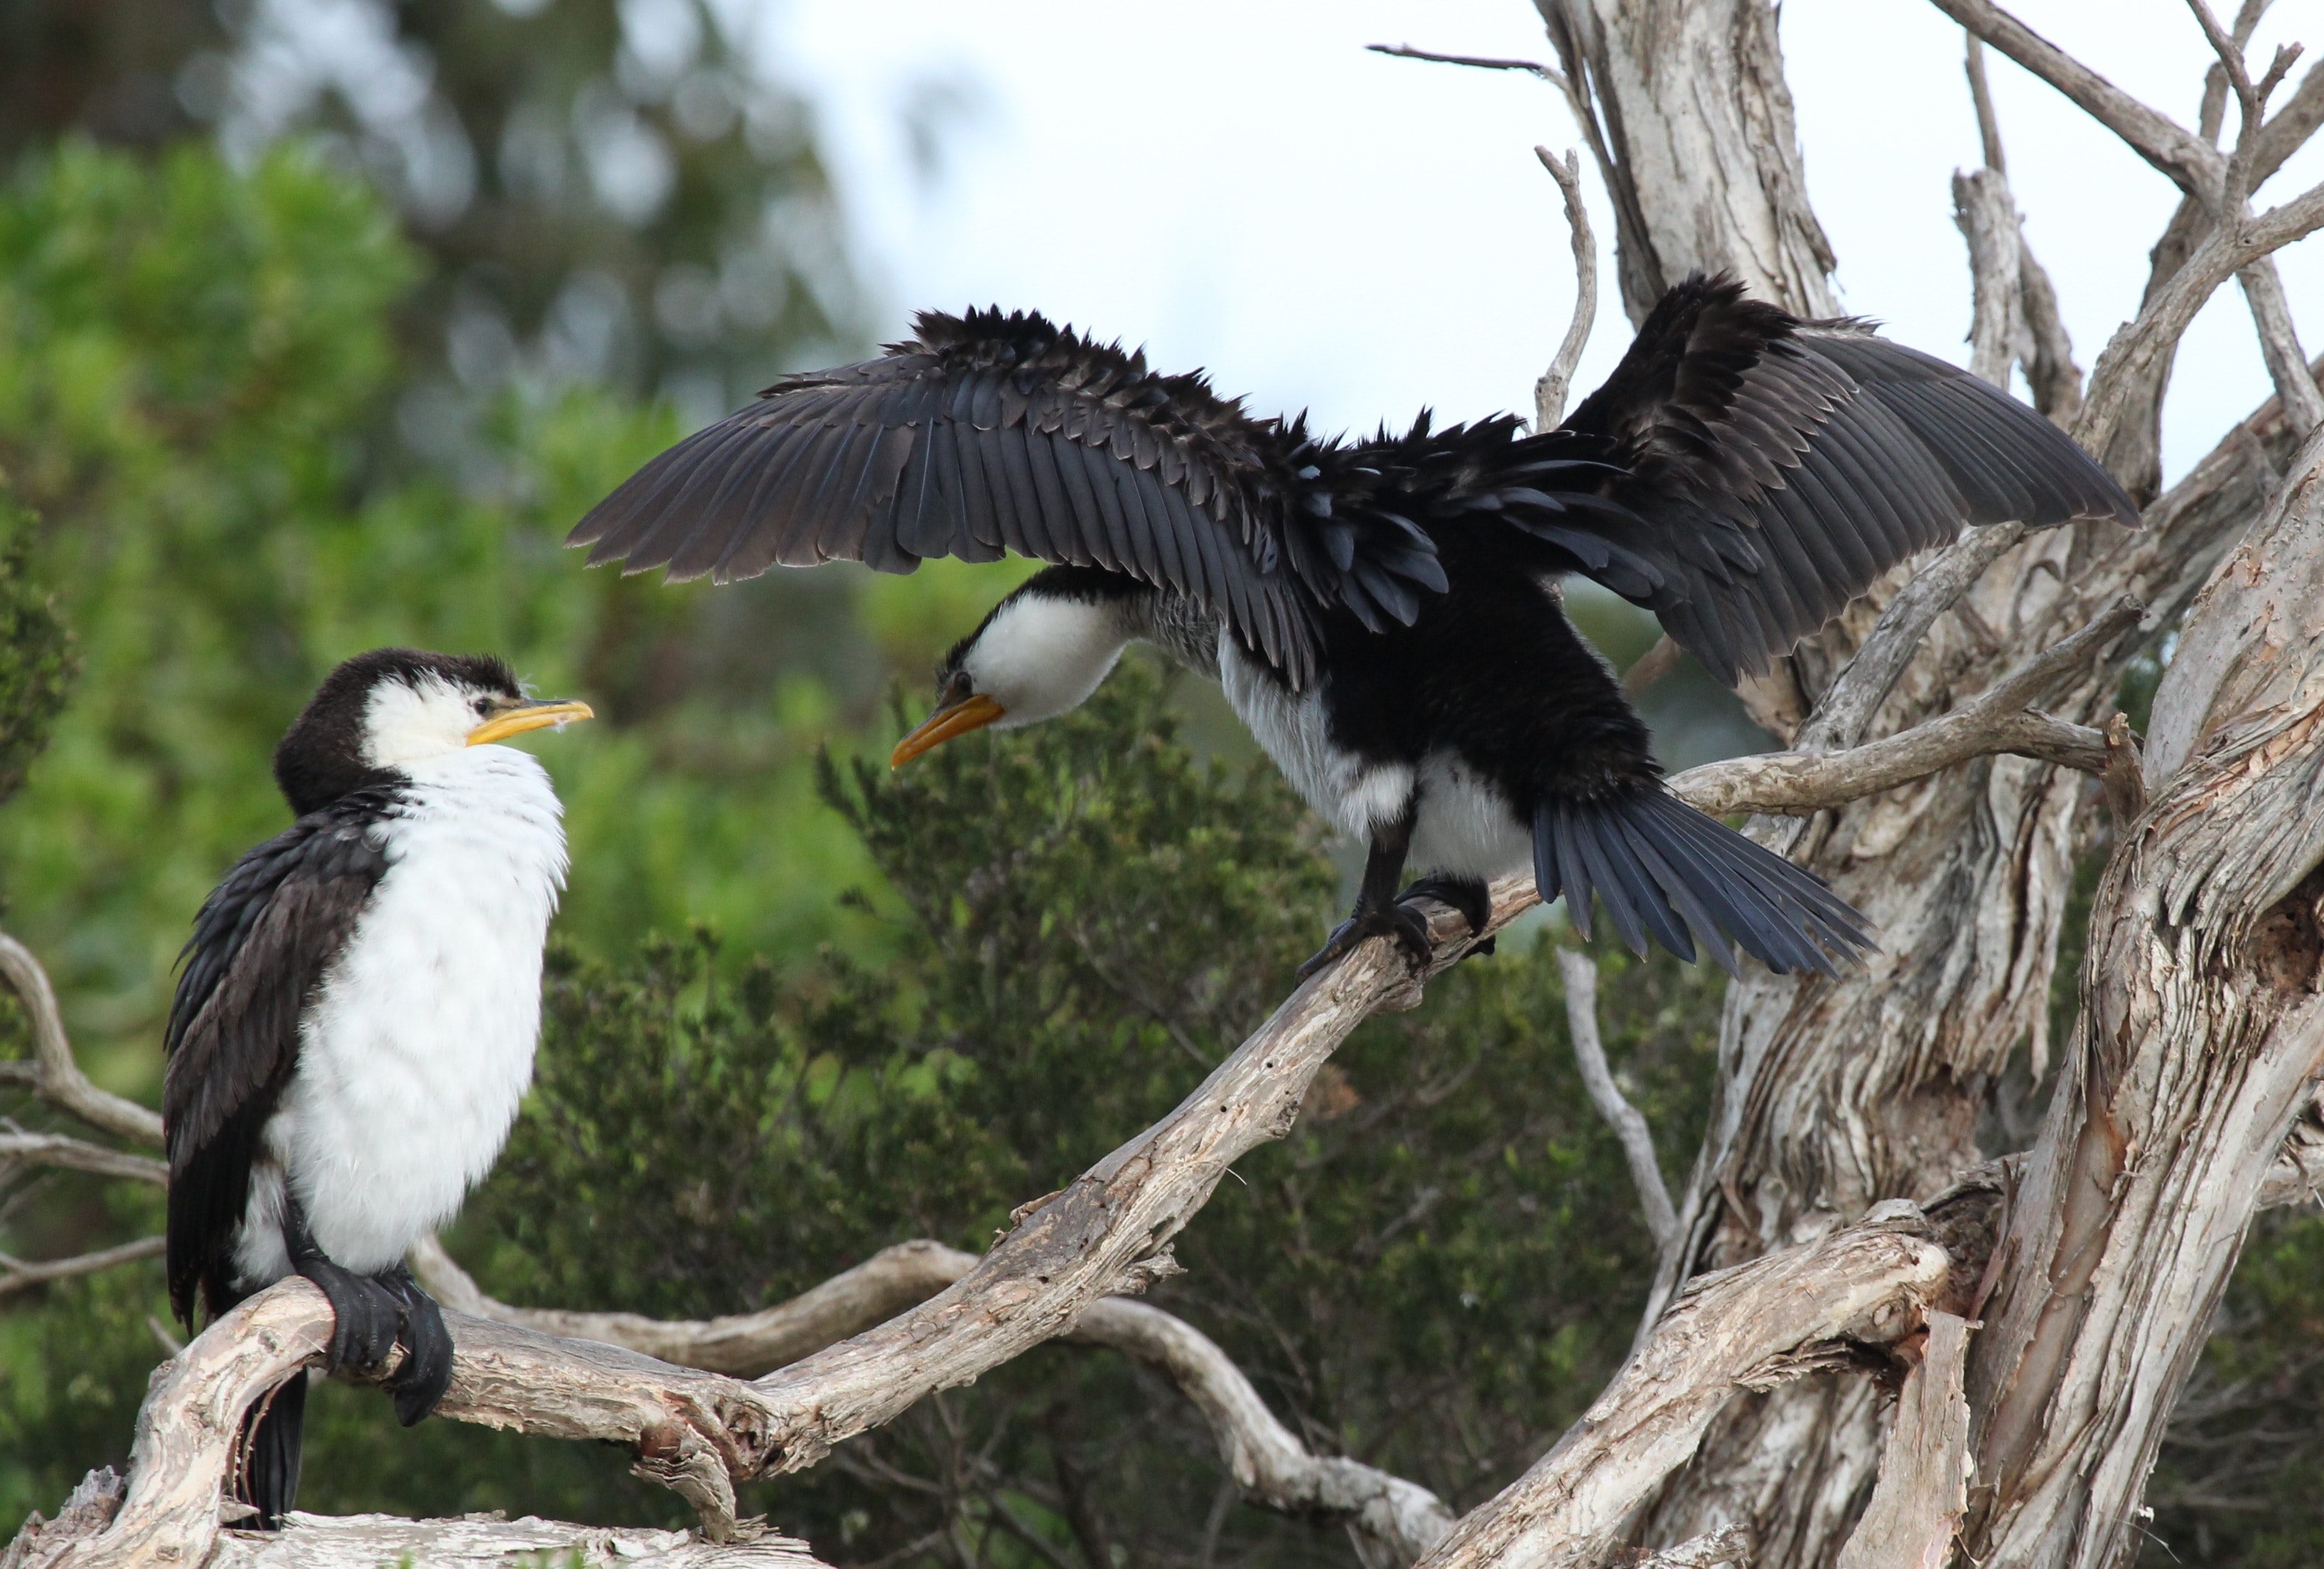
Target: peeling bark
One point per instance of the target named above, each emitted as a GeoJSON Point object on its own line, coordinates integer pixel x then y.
{"type": "Point", "coordinates": [2201, 1039]}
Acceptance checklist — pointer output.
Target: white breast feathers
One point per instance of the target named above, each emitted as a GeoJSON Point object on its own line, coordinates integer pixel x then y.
{"type": "Point", "coordinates": [413, 1060]}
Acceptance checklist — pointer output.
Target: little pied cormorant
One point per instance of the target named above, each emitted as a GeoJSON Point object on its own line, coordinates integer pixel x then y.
{"type": "Point", "coordinates": [1385, 614]}
{"type": "Point", "coordinates": [356, 1020]}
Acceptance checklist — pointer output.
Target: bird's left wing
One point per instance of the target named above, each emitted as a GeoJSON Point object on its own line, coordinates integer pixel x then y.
{"type": "Point", "coordinates": [262, 945]}
{"type": "Point", "coordinates": [1773, 469]}
{"type": "Point", "coordinates": [990, 433]}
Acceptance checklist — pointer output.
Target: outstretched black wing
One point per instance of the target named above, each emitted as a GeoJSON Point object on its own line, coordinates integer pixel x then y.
{"type": "Point", "coordinates": [988, 434]}
{"type": "Point", "coordinates": [260, 946]}
{"type": "Point", "coordinates": [1775, 468]}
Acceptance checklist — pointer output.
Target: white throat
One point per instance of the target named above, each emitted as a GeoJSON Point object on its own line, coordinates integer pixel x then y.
{"type": "Point", "coordinates": [1039, 657]}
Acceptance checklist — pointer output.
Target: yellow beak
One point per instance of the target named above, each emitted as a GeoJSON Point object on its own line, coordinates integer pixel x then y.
{"type": "Point", "coordinates": [524, 716]}
{"type": "Point", "coordinates": [968, 714]}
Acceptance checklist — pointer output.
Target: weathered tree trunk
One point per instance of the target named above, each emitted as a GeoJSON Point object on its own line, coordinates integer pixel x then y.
{"type": "Point", "coordinates": [1836, 1095]}
{"type": "Point", "coordinates": [2201, 1036]}
{"type": "Point", "coordinates": [1693, 133]}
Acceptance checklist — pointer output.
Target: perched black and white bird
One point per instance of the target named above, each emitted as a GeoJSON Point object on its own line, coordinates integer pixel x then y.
{"type": "Point", "coordinates": [355, 1020]}
{"type": "Point", "coordinates": [1385, 614]}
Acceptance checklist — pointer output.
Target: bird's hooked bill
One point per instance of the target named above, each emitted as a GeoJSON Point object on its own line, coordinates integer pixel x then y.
{"type": "Point", "coordinates": [532, 715]}
{"type": "Point", "coordinates": [953, 719]}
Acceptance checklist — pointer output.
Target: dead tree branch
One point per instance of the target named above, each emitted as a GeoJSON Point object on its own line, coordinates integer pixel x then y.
{"type": "Point", "coordinates": [1923, 1488]}
{"type": "Point", "coordinates": [1273, 1469]}
{"type": "Point", "coordinates": [18, 1148]}
{"type": "Point", "coordinates": [2191, 163]}
{"type": "Point", "coordinates": [22, 1274]}
{"type": "Point", "coordinates": [1855, 694]}
{"type": "Point", "coordinates": [56, 1075]}
{"type": "Point", "coordinates": [742, 1344]}
{"type": "Point", "coordinates": [1752, 1327]}
{"type": "Point", "coordinates": [2141, 345]}
{"type": "Point", "coordinates": [1550, 391]}
{"type": "Point", "coordinates": [1987, 216]}
{"type": "Point", "coordinates": [1581, 973]}
{"type": "Point", "coordinates": [1482, 62]}
{"type": "Point", "coordinates": [2001, 720]}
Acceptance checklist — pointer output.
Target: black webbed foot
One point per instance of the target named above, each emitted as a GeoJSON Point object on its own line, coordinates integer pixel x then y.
{"type": "Point", "coordinates": [426, 1368]}
{"type": "Point", "coordinates": [368, 1315]}
{"type": "Point", "coordinates": [1406, 925]}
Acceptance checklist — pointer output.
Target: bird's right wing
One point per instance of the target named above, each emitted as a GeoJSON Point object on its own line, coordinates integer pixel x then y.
{"type": "Point", "coordinates": [260, 946]}
{"type": "Point", "coordinates": [1774, 468]}
{"type": "Point", "coordinates": [990, 433]}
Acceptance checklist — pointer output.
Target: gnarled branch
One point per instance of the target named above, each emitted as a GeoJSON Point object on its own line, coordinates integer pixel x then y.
{"type": "Point", "coordinates": [1275, 1470]}
{"type": "Point", "coordinates": [1752, 1327]}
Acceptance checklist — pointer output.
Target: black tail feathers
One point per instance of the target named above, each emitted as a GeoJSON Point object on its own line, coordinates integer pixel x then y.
{"type": "Point", "coordinates": [271, 1442]}
{"type": "Point", "coordinates": [1665, 868]}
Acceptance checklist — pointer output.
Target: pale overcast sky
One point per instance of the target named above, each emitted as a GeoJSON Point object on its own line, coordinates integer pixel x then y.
{"type": "Point", "coordinates": [1243, 187]}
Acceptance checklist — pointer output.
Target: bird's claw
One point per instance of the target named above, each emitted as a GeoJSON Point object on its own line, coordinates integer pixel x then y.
{"type": "Point", "coordinates": [1406, 925]}
{"type": "Point", "coordinates": [426, 1372]}
{"type": "Point", "coordinates": [366, 1319]}
{"type": "Point", "coordinates": [1469, 895]}
{"type": "Point", "coordinates": [372, 1315]}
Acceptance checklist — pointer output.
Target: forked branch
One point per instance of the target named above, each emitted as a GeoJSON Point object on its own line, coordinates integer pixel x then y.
{"type": "Point", "coordinates": [1273, 1469]}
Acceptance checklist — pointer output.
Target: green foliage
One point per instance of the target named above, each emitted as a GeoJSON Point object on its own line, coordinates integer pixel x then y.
{"type": "Point", "coordinates": [194, 367]}
{"type": "Point", "coordinates": [2236, 1482]}
{"type": "Point", "coordinates": [36, 654]}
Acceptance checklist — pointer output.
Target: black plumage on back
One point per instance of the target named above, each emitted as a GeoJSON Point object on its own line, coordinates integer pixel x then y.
{"type": "Point", "coordinates": [1743, 475]}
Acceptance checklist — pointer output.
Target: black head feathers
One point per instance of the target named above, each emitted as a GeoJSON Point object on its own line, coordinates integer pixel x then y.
{"type": "Point", "coordinates": [320, 757]}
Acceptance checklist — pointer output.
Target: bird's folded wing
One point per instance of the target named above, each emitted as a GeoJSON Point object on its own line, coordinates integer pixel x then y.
{"type": "Point", "coordinates": [261, 948]}
{"type": "Point", "coordinates": [991, 434]}
{"type": "Point", "coordinates": [1775, 469]}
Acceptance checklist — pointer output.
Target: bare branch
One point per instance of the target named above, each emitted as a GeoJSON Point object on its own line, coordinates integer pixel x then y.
{"type": "Point", "coordinates": [1792, 783]}
{"type": "Point", "coordinates": [745, 1344]}
{"type": "Point", "coordinates": [2139, 345]}
{"type": "Point", "coordinates": [60, 1149]}
{"type": "Point", "coordinates": [1549, 74]}
{"type": "Point", "coordinates": [2191, 163]}
{"type": "Point", "coordinates": [1980, 94]}
{"type": "Point", "coordinates": [19, 1274]}
{"type": "Point", "coordinates": [1638, 1139]}
{"type": "Point", "coordinates": [1752, 1327]}
{"type": "Point", "coordinates": [1273, 1468]}
{"type": "Point", "coordinates": [2056, 380]}
{"type": "Point", "coordinates": [1855, 694]}
{"type": "Point", "coordinates": [57, 1077]}
{"type": "Point", "coordinates": [2251, 100]}
{"type": "Point", "coordinates": [1923, 1488]}
{"type": "Point", "coordinates": [1987, 217]}
{"type": "Point", "coordinates": [1549, 392]}
{"type": "Point", "coordinates": [2034, 330]}
{"type": "Point", "coordinates": [2279, 344]}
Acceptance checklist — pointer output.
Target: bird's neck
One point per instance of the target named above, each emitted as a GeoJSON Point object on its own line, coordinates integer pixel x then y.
{"type": "Point", "coordinates": [1041, 655]}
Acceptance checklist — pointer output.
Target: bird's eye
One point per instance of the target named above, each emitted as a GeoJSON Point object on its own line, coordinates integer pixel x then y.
{"type": "Point", "coordinates": [483, 706]}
